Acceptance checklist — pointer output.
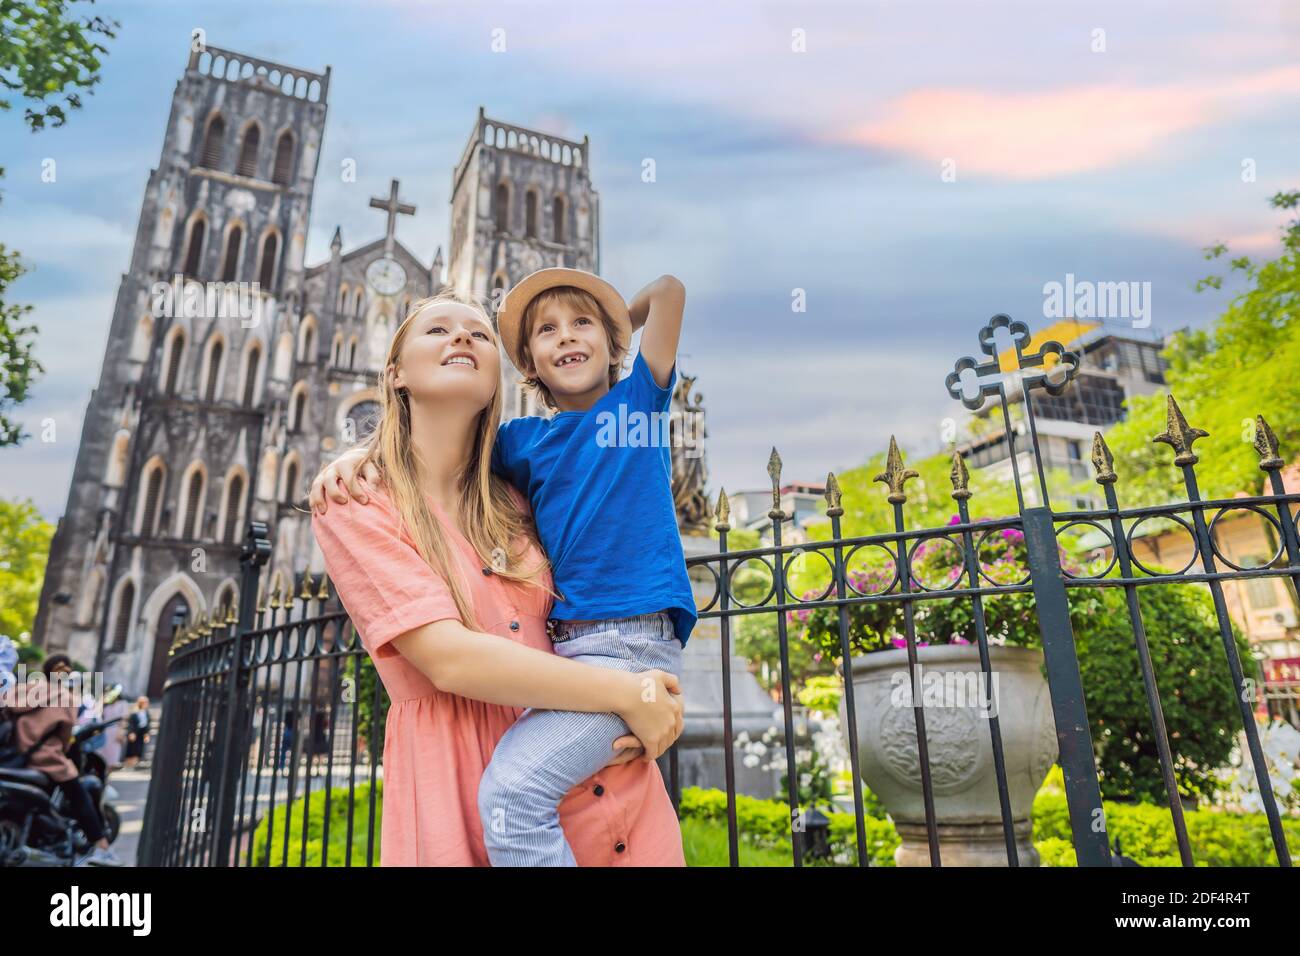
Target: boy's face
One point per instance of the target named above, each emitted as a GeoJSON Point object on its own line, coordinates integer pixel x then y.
{"type": "Point", "coordinates": [570, 352]}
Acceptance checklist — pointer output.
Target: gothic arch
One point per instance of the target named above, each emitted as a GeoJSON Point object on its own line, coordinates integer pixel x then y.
{"type": "Point", "coordinates": [225, 596]}
{"type": "Point", "coordinates": [214, 141]}
{"type": "Point", "coordinates": [250, 144]}
{"type": "Point", "coordinates": [282, 168]}
{"type": "Point", "coordinates": [150, 496]}
{"type": "Point", "coordinates": [532, 202]}
{"type": "Point", "coordinates": [298, 407]}
{"type": "Point", "coordinates": [213, 368]}
{"type": "Point", "coordinates": [193, 493]}
{"type": "Point", "coordinates": [171, 372]}
{"type": "Point", "coordinates": [336, 350]}
{"type": "Point", "coordinates": [559, 216]}
{"type": "Point", "coordinates": [250, 377]}
{"type": "Point", "coordinates": [232, 251]}
{"type": "Point", "coordinates": [196, 234]}
{"type": "Point", "coordinates": [352, 352]}
{"type": "Point", "coordinates": [358, 309]}
{"type": "Point", "coordinates": [290, 478]}
{"type": "Point", "coordinates": [270, 248]}
{"type": "Point", "coordinates": [122, 613]}
{"type": "Point", "coordinates": [344, 295]}
{"type": "Point", "coordinates": [307, 339]}
{"type": "Point", "coordinates": [358, 428]}
{"type": "Point", "coordinates": [234, 504]}
{"type": "Point", "coordinates": [502, 197]}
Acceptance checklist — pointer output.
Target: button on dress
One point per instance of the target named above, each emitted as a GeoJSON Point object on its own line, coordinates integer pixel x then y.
{"type": "Point", "coordinates": [437, 744]}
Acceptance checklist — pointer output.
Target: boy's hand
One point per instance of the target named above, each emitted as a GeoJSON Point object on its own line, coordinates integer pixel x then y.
{"type": "Point", "coordinates": [344, 477]}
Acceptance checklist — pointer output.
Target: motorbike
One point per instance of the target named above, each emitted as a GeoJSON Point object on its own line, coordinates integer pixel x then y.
{"type": "Point", "coordinates": [36, 826]}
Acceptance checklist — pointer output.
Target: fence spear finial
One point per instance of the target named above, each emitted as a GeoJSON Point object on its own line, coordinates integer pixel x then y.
{"type": "Point", "coordinates": [1266, 445]}
{"type": "Point", "coordinates": [960, 477]}
{"type": "Point", "coordinates": [1103, 461]}
{"type": "Point", "coordinates": [895, 475]}
{"type": "Point", "coordinates": [774, 472]}
{"type": "Point", "coordinates": [723, 512]}
{"type": "Point", "coordinates": [305, 592]}
{"type": "Point", "coordinates": [1179, 435]}
{"type": "Point", "coordinates": [833, 508]}
{"type": "Point", "coordinates": [323, 592]}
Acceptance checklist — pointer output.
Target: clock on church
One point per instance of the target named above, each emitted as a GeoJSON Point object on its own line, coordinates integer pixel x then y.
{"type": "Point", "coordinates": [386, 276]}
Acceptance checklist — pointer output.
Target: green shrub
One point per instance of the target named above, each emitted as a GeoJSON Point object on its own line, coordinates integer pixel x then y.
{"type": "Point", "coordinates": [274, 854]}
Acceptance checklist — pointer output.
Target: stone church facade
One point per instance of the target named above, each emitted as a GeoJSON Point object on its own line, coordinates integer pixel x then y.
{"type": "Point", "coordinates": [234, 370]}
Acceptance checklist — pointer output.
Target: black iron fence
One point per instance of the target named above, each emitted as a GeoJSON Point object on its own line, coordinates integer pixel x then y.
{"type": "Point", "coordinates": [260, 698]}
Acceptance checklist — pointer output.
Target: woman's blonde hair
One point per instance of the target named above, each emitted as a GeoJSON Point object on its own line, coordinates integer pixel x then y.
{"type": "Point", "coordinates": [580, 300]}
{"type": "Point", "coordinates": [489, 517]}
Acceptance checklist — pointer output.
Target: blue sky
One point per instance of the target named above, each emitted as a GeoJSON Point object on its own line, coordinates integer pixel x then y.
{"type": "Point", "coordinates": [819, 168]}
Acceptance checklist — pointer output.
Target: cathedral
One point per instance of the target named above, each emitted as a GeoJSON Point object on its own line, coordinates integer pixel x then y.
{"type": "Point", "coordinates": [234, 370]}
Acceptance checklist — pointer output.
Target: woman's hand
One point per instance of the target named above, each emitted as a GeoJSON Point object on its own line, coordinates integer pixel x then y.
{"type": "Point", "coordinates": [632, 751]}
{"type": "Point", "coordinates": [653, 711]}
{"type": "Point", "coordinates": [343, 477]}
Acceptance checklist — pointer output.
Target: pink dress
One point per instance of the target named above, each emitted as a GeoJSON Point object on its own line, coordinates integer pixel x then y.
{"type": "Point", "coordinates": [438, 744]}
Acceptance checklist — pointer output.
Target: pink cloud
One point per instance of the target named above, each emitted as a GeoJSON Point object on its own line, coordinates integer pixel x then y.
{"type": "Point", "coordinates": [1079, 129]}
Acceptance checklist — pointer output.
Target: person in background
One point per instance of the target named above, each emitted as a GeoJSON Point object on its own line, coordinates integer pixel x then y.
{"type": "Point", "coordinates": [51, 725]}
{"type": "Point", "coordinates": [137, 732]}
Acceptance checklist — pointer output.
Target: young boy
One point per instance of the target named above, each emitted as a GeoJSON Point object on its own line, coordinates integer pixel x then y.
{"type": "Point", "coordinates": [598, 477]}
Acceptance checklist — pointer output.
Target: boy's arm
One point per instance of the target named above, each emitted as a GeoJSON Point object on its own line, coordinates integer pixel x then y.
{"type": "Point", "coordinates": [659, 307]}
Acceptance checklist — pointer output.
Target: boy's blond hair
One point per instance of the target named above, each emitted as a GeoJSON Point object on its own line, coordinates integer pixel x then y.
{"type": "Point", "coordinates": [580, 301]}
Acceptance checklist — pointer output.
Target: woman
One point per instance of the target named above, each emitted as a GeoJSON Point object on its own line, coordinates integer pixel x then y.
{"type": "Point", "coordinates": [48, 728]}
{"type": "Point", "coordinates": [449, 592]}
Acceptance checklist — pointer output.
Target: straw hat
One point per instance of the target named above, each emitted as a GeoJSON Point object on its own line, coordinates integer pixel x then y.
{"type": "Point", "coordinates": [511, 315]}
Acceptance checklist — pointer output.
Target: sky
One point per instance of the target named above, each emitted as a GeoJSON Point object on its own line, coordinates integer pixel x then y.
{"type": "Point", "coordinates": [847, 190]}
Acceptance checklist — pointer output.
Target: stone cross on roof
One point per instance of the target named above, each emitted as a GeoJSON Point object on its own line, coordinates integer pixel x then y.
{"type": "Point", "coordinates": [394, 208]}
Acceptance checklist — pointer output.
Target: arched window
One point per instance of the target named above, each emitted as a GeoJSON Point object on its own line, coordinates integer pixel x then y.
{"type": "Point", "coordinates": [248, 152]}
{"type": "Point", "coordinates": [266, 272]}
{"type": "Point", "coordinates": [557, 218]}
{"type": "Point", "coordinates": [307, 340]}
{"type": "Point", "coordinates": [361, 420]}
{"type": "Point", "coordinates": [122, 623]}
{"type": "Point", "coordinates": [352, 353]}
{"type": "Point", "coordinates": [213, 143]}
{"type": "Point", "coordinates": [298, 408]}
{"type": "Point", "coordinates": [227, 599]}
{"type": "Point", "coordinates": [116, 471]}
{"type": "Point", "coordinates": [191, 523]}
{"type": "Point", "coordinates": [252, 365]}
{"type": "Point", "coordinates": [172, 380]}
{"type": "Point", "coordinates": [283, 170]}
{"type": "Point", "coordinates": [503, 207]}
{"type": "Point", "coordinates": [213, 388]}
{"type": "Point", "coordinates": [530, 214]}
{"type": "Point", "coordinates": [194, 250]}
{"type": "Point", "coordinates": [344, 298]}
{"type": "Point", "coordinates": [289, 493]}
{"type": "Point", "coordinates": [230, 262]}
{"type": "Point", "coordinates": [234, 506]}
{"type": "Point", "coordinates": [336, 349]}
{"type": "Point", "coordinates": [153, 487]}
{"type": "Point", "coordinates": [359, 308]}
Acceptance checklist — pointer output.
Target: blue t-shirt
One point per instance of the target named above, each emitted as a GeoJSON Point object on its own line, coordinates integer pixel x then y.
{"type": "Point", "coordinates": [600, 485]}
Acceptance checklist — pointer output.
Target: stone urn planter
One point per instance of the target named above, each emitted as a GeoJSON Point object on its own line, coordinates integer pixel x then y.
{"type": "Point", "coordinates": [967, 811]}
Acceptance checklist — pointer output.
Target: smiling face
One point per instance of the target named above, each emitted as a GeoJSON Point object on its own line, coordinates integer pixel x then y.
{"type": "Point", "coordinates": [448, 353]}
{"type": "Point", "coordinates": [569, 350]}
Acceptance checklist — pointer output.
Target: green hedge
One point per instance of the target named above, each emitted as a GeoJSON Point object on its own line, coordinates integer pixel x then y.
{"type": "Point", "coordinates": [1145, 831]}
{"type": "Point", "coordinates": [274, 855]}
